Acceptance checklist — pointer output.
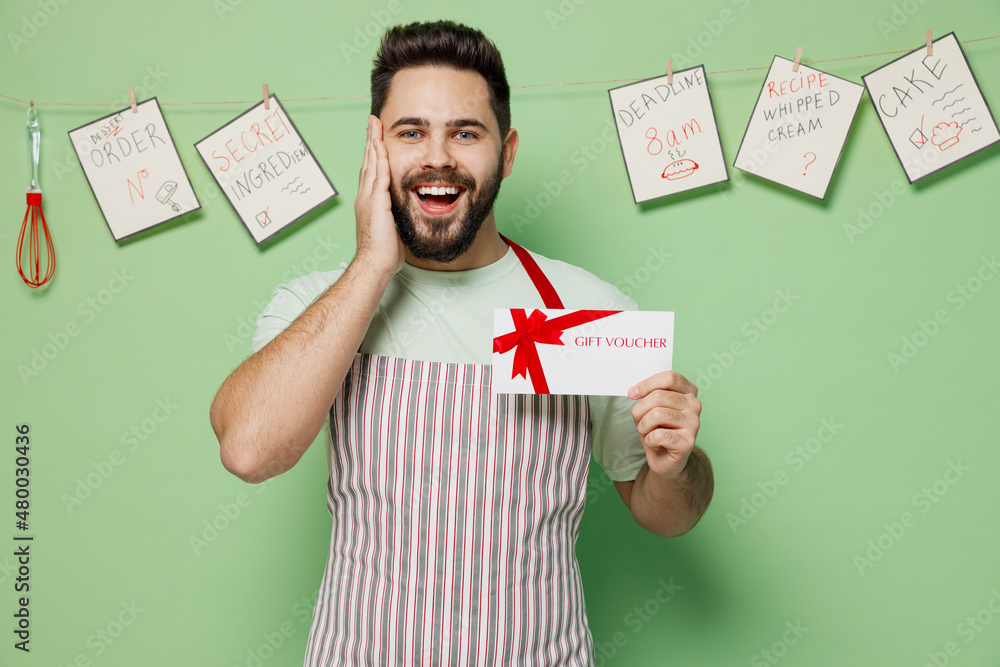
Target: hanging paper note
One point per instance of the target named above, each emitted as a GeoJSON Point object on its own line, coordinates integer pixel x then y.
{"type": "Point", "coordinates": [133, 168]}
{"type": "Point", "coordinates": [798, 127]}
{"type": "Point", "coordinates": [932, 108]}
{"type": "Point", "coordinates": [668, 134]}
{"type": "Point", "coordinates": [266, 170]}
{"type": "Point", "coordinates": [593, 352]}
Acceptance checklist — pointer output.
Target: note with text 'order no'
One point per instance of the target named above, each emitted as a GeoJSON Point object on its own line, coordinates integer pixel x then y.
{"type": "Point", "coordinates": [133, 168]}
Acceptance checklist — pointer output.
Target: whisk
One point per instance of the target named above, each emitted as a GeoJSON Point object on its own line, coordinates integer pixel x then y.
{"type": "Point", "coordinates": [34, 212]}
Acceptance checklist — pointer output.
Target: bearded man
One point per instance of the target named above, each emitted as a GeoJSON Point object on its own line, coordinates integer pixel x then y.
{"type": "Point", "coordinates": [455, 510]}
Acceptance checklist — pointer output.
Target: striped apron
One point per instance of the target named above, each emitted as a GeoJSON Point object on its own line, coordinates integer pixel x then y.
{"type": "Point", "coordinates": [455, 516]}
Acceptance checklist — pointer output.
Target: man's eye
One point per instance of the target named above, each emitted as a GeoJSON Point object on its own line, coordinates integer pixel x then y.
{"type": "Point", "coordinates": [465, 135]}
{"type": "Point", "coordinates": [410, 134]}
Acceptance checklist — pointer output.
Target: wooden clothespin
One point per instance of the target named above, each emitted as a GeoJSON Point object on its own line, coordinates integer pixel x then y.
{"type": "Point", "coordinates": [798, 57]}
{"type": "Point", "coordinates": [930, 44]}
{"type": "Point", "coordinates": [131, 99]}
{"type": "Point", "coordinates": [267, 98]}
{"type": "Point", "coordinates": [670, 71]}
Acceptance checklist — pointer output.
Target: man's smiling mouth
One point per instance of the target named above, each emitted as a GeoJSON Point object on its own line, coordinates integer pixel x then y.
{"type": "Point", "coordinates": [438, 198]}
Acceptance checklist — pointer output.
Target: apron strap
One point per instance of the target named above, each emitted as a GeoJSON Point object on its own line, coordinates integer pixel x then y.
{"type": "Point", "coordinates": [545, 289]}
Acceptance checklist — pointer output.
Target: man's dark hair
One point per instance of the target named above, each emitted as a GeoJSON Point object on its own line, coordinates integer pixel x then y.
{"type": "Point", "coordinates": [443, 44]}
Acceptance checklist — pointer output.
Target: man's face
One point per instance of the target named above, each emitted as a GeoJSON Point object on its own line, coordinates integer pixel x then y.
{"type": "Point", "coordinates": [446, 158]}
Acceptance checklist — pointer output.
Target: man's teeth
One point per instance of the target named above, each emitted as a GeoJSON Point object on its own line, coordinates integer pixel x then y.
{"type": "Point", "coordinates": [447, 190]}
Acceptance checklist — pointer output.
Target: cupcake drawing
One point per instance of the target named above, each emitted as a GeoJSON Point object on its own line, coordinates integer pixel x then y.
{"type": "Point", "coordinates": [945, 135]}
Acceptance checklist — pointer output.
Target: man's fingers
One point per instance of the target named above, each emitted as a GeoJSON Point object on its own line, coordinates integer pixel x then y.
{"type": "Point", "coordinates": [678, 440]}
{"type": "Point", "coordinates": [373, 165]}
{"type": "Point", "coordinates": [668, 418]}
{"type": "Point", "coordinates": [381, 182]}
{"type": "Point", "coordinates": [664, 380]}
{"type": "Point", "coordinates": [366, 160]}
{"type": "Point", "coordinates": [668, 399]}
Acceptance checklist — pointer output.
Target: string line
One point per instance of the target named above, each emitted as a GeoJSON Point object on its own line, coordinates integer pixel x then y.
{"type": "Point", "coordinates": [529, 85]}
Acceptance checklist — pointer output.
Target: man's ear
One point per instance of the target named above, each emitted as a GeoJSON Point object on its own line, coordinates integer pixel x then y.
{"type": "Point", "coordinates": [509, 149]}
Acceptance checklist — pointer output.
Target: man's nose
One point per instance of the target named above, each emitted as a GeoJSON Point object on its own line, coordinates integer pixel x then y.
{"type": "Point", "coordinates": [438, 154]}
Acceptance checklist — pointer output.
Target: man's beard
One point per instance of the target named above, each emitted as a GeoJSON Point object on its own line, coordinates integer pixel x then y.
{"type": "Point", "coordinates": [444, 242]}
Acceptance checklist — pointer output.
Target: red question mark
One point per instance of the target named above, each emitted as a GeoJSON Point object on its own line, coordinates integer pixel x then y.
{"type": "Point", "coordinates": [808, 163]}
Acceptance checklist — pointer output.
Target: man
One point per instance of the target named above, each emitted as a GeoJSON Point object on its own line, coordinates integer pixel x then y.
{"type": "Point", "coordinates": [455, 509]}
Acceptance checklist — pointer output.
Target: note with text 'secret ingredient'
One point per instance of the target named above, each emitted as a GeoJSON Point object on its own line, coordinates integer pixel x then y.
{"type": "Point", "coordinates": [265, 169]}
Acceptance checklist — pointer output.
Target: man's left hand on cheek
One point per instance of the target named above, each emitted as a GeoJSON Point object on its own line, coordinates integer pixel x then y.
{"type": "Point", "coordinates": [667, 415]}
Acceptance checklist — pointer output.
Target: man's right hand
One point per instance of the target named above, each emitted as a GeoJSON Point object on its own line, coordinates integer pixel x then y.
{"type": "Point", "coordinates": [379, 245]}
{"type": "Point", "coordinates": [271, 408]}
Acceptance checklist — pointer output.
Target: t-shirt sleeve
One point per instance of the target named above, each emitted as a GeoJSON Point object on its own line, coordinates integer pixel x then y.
{"type": "Point", "coordinates": [614, 438]}
{"type": "Point", "coordinates": [288, 302]}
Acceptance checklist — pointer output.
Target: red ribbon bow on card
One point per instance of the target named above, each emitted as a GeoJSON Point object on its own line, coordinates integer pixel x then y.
{"type": "Point", "coordinates": [539, 329]}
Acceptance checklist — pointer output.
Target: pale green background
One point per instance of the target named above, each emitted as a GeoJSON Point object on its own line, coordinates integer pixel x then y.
{"type": "Point", "coordinates": [179, 327]}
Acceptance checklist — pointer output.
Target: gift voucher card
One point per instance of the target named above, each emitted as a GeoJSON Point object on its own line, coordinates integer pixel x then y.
{"type": "Point", "coordinates": [588, 352]}
{"type": "Point", "coordinates": [265, 169]}
{"type": "Point", "coordinates": [133, 168]}
{"type": "Point", "coordinates": [932, 108]}
{"type": "Point", "coordinates": [798, 127]}
{"type": "Point", "coordinates": [668, 134]}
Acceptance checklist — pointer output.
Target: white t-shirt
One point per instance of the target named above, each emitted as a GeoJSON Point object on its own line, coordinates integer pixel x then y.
{"type": "Point", "coordinates": [447, 316]}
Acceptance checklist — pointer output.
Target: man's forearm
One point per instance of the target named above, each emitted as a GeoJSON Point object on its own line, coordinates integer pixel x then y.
{"type": "Point", "coordinates": [271, 408]}
{"type": "Point", "coordinates": [670, 507]}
